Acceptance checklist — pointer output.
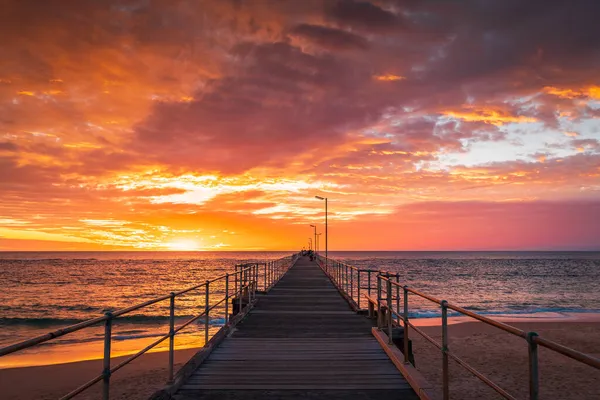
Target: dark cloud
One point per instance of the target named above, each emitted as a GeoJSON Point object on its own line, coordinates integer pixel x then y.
{"type": "Point", "coordinates": [330, 38]}
{"type": "Point", "coordinates": [586, 144]}
{"type": "Point", "coordinates": [8, 146]}
{"type": "Point", "coordinates": [363, 15]}
{"type": "Point", "coordinates": [283, 101]}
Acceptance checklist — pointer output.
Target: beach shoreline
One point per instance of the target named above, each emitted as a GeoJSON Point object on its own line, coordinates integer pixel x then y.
{"type": "Point", "coordinates": [501, 356]}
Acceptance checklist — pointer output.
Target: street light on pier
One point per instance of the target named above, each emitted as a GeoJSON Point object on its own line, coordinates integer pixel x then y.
{"type": "Point", "coordinates": [326, 255]}
{"type": "Point", "coordinates": [315, 241]}
{"type": "Point", "coordinates": [318, 238]}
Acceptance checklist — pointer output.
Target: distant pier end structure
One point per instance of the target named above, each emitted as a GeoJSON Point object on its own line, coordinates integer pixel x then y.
{"type": "Point", "coordinates": [296, 328]}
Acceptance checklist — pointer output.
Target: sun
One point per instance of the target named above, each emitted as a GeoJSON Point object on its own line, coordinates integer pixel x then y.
{"type": "Point", "coordinates": [183, 245]}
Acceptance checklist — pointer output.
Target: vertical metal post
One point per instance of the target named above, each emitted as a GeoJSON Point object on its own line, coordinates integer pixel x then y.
{"type": "Point", "coordinates": [369, 282]}
{"type": "Point", "coordinates": [206, 312]}
{"type": "Point", "coordinates": [226, 299]}
{"type": "Point", "coordinates": [106, 364]}
{"type": "Point", "coordinates": [389, 310]}
{"type": "Point", "coordinates": [445, 372]}
{"type": "Point", "coordinates": [326, 236]}
{"type": "Point", "coordinates": [379, 301]}
{"type": "Point", "coordinates": [534, 378]}
{"type": "Point", "coordinates": [266, 275]}
{"type": "Point", "coordinates": [240, 294]}
{"type": "Point", "coordinates": [398, 299]}
{"type": "Point", "coordinates": [171, 334]}
{"type": "Point", "coordinates": [406, 359]}
{"type": "Point", "coordinates": [358, 286]}
{"type": "Point", "coordinates": [250, 285]}
{"type": "Point", "coordinates": [346, 283]}
{"type": "Point", "coordinates": [235, 281]}
{"type": "Point", "coordinates": [351, 284]}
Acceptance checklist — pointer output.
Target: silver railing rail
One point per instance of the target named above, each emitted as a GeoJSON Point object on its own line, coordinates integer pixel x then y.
{"type": "Point", "coordinates": [391, 299]}
{"type": "Point", "coordinates": [240, 285]}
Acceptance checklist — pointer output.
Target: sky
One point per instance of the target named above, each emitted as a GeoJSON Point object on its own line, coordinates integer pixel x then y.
{"type": "Point", "coordinates": [212, 124]}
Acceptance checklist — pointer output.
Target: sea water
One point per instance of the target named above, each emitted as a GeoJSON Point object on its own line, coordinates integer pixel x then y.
{"type": "Point", "coordinates": [44, 291]}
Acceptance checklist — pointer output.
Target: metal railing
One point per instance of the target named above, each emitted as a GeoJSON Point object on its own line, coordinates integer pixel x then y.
{"type": "Point", "coordinates": [240, 286]}
{"type": "Point", "coordinates": [348, 279]}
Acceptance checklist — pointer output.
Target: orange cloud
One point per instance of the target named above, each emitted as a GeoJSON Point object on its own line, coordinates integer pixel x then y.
{"type": "Point", "coordinates": [591, 91]}
{"type": "Point", "coordinates": [170, 125]}
{"type": "Point", "coordinates": [389, 78]}
{"type": "Point", "coordinates": [488, 116]}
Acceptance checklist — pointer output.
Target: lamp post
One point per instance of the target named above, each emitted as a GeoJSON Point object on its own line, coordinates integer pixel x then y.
{"type": "Point", "coordinates": [315, 241]}
{"type": "Point", "coordinates": [318, 238]}
{"type": "Point", "coordinates": [309, 243]}
{"type": "Point", "coordinates": [326, 255]}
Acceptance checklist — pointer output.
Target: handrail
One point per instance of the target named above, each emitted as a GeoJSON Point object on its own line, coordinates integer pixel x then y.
{"type": "Point", "coordinates": [342, 273]}
{"type": "Point", "coordinates": [245, 285]}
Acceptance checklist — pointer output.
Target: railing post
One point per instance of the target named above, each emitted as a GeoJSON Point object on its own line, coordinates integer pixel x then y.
{"type": "Point", "coordinates": [406, 358]}
{"type": "Point", "coordinates": [389, 310]}
{"type": "Point", "coordinates": [398, 299]}
{"type": "Point", "coordinates": [226, 298]}
{"type": "Point", "coordinates": [171, 334]}
{"type": "Point", "coordinates": [358, 287]}
{"type": "Point", "coordinates": [106, 363]}
{"type": "Point", "coordinates": [235, 281]}
{"type": "Point", "coordinates": [369, 282]}
{"type": "Point", "coordinates": [240, 294]}
{"type": "Point", "coordinates": [534, 378]}
{"type": "Point", "coordinates": [266, 275]}
{"type": "Point", "coordinates": [346, 278]}
{"type": "Point", "coordinates": [206, 312]}
{"type": "Point", "coordinates": [379, 301]}
{"type": "Point", "coordinates": [445, 372]}
{"type": "Point", "coordinates": [351, 284]}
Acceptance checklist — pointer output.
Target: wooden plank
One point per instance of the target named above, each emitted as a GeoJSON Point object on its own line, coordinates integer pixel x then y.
{"type": "Point", "coordinates": [306, 386]}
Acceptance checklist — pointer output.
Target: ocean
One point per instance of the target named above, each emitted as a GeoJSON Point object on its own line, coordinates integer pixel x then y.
{"type": "Point", "coordinates": [44, 291]}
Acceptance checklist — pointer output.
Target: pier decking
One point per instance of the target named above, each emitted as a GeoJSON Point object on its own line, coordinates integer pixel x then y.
{"type": "Point", "coordinates": [301, 340]}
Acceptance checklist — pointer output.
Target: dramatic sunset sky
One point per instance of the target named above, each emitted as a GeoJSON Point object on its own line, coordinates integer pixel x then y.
{"type": "Point", "coordinates": [212, 124]}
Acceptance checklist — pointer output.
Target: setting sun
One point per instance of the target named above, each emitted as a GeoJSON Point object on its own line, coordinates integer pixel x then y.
{"type": "Point", "coordinates": [183, 245]}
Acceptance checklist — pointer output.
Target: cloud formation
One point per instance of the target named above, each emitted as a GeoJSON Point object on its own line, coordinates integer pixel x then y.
{"type": "Point", "coordinates": [237, 113]}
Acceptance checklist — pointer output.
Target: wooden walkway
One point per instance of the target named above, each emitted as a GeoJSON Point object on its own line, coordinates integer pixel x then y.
{"type": "Point", "coordinates": [302, 340]}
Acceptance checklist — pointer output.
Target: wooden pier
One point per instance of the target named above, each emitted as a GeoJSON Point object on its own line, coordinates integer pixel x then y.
{"type": "Point", "coordinates": [301, 340]}
{"type": "Point", "coordinates": [292, 330]}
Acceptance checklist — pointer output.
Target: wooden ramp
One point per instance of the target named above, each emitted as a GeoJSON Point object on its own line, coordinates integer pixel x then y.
{"type": "Point", "coordinates": [302, 340]}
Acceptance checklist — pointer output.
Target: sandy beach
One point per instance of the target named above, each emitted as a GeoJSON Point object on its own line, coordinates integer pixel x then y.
{"type": "Point", "coordinates": [137, 380]}
{"type": "Point", "coordinates": [503, 358]}
{"type": "Point", "coordinates": [484, 347]}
